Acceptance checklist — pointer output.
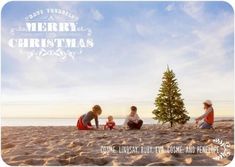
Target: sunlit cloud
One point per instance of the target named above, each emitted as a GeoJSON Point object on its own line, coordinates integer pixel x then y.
{"type": "Point", "coordinates": [97, 15]}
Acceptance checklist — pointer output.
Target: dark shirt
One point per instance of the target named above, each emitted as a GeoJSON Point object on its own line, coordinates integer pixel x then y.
{"type": "Point", "coordinates": [86, 118]}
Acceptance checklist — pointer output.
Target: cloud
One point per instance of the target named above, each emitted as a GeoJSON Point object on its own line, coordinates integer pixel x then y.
{"type": "Point", "coordinates": [170, 7]}
{"type": "Point", "coordinates": [97, 16]}
{"type": "Point", "coordinates": [124, 23]}
{"type": "Point", "coordinates": [194, 9]}
{"type": "Point", "coordinates": [211, 43]}
{"type": "Point", "coordinates": [68, 6]}
{"type": "Point", "coordinates": [143, 30]}
{"type": "Point", "coordinates": [150, 13]}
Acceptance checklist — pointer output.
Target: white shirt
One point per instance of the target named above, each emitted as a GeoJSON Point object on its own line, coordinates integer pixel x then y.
{"type": "Point", "coordinates": [134, 118]}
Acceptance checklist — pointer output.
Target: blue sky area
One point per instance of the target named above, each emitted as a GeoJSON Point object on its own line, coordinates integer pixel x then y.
{"type": "Point", "coordinates": [134, 42]}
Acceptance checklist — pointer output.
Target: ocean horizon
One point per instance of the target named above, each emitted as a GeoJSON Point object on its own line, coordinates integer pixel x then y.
{"type": "Point", "coordinates": [73, 121]}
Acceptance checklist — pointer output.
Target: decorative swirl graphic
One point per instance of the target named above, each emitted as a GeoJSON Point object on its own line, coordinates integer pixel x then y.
{"type": "Point", "coordinates": [224, 149]}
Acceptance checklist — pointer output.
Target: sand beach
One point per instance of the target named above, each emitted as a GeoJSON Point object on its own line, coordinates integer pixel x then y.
{"type": "Point", "coordinates": [153, 145]}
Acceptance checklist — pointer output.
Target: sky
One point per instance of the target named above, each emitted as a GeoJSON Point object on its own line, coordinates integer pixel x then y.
{"type": "Point", "coordinates": [133, 44]}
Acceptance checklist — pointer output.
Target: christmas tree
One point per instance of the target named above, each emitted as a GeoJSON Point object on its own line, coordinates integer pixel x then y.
{"type": "Point", "coordinates": [169, 104]}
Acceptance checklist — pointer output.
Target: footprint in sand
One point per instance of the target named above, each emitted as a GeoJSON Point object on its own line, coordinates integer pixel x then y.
{"type": "Point", "coordinates": [63, 162]}
{"type": "Point", "coordinates": [85, 160]}
{"type": "Point", "coordinates": [20, 158]}
{"type": "Point", "coordinates": [90, 144]}
{"type": "Point", "coordinates": [66, 155]}
{"type": "Point", "coordinates": [52, 162]}
{"type": "Point", "coordinates": [37, 162]}
{"type": "Point", "coordinates": [143, 160]}
{"type": "Point", "coordinates": [8, 145]}
{"type": "Point", "coordinates": [75, 143]}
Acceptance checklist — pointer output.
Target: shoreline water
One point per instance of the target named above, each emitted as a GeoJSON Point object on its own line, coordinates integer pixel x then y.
{"type": "Point", "coordinates": [72, 122]}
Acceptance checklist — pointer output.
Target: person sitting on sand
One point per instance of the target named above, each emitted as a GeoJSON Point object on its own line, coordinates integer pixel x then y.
{"type": "Point", "coordinates": [110, 124]}
{"type": "Point", "coordinates": [208, 116]}
{"type": "Point", "coordinates": [133, 121]}
{"type": "Point", "coordinates": [84, 122]}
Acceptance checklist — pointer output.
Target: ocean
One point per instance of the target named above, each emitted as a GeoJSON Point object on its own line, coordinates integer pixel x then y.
{"type": "Point", "coordinates": [73, 122]}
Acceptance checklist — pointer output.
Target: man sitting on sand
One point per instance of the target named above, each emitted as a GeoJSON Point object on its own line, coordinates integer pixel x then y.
{"type": "Point", "coordinates": [133, 121]}
{"type": "Point", "coordinates": [84, 122]}
{"type": "Point", "coordinates": [208, 116]}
